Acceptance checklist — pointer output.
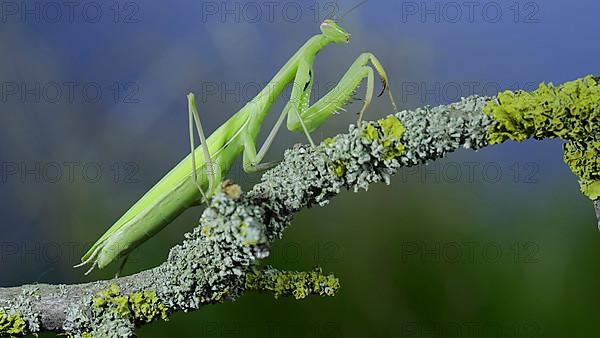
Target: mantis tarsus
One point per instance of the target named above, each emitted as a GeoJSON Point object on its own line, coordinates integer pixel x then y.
{"type": "Point", "coordinates": [197, 176]}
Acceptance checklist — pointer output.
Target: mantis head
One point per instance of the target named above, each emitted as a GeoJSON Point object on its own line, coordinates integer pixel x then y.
{"type": "Point", "coordinates": [334, 32]}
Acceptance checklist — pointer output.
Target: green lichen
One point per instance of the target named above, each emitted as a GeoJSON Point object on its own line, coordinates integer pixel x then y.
{"type": "Point", "coordinates": [292, 283]}
{"type": "Point", "coordinates": [570, 111]}
{"type": "Point", "coordinates": [392, 131]}
{"type": "Point", "coordinates": [141, 307]}
{"type": "Point", "coordinates": [591, 189]}
{"type": "Point", "coordinates": [370, 132]}
{"type": "Point", "coordinates": [339, 169]}
{"type": "Point", "coordinates": [393, 152]}
{"type": "Point", "coordinates": [583, 157]}
{"type": "Point", "coordinates": [328, 141]}
{"type": "Point", "coordinates": [392, 128]}
{"type": "Point", "coordinates": [205, 231]}
{"type": "Point", "coordinates": [146, 306]}
{"type": "Point", "coordinates": [12, 325]}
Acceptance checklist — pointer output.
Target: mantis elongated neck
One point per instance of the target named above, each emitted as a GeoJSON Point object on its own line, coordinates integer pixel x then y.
{"type": "Point", "coordinates": [306, 53]}
{"type": "Point", "coordinates": [286, 75]}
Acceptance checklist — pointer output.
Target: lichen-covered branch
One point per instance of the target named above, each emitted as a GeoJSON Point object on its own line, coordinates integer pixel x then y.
{"type": "Point", "coordinates": [219, 260]}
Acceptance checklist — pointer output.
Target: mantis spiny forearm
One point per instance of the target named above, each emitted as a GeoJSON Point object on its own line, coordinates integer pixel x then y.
{"type": "Point", "coordinates": [195, 178]}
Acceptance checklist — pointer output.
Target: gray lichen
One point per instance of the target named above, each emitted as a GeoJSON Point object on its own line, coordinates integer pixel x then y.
{"type": "Point", "coordinates": [432, 132]}
{"type": "Point", "coordinates": [77, 318]}
{"type": "Point", "coordinates": [208, 267]}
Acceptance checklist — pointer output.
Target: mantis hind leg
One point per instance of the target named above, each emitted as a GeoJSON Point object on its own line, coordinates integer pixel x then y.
{"type": "Point", "coordinates": [194, 119]}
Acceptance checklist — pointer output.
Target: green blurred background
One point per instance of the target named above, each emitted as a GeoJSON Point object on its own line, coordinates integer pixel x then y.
{"type": "Point", "coordinates": [498, 243]}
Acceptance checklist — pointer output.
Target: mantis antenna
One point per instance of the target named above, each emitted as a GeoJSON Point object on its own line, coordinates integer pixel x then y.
{"type": "Point", "coordinates": [391, 96]}
{"type": "Point", "coordinates": [353, 8]}
{"type": "Point", "coordinates": [337, 8]}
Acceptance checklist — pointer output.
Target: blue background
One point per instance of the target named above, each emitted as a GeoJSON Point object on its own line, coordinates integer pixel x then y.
{"type": "Point", "coordinates": [498, 243]}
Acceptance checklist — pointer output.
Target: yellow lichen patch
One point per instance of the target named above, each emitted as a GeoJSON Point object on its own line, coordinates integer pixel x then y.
{"type": "Point", "coordinates": [584, 160]}
{"type": "Point", "coordinates": [570, 111]}
{"type": "Point", "coordinates": [370, 132]}
{"type": "Point", "coordinates": [292, 283]}
{"type": "Point", "coordinates": [11, 325]}
{"type": "Point", "coordinates": [392, 131]}
{"type": "Point", "coordinates": [388, 132]}
{"type": "Point", "coordinates": [392, 128]}
{"type": "Point", "coordinates": [206, 230]}
{"type": "Point", "coordinates": [142, 307]}
{"type": "Point", "coordinates": [146, 306]}
{"type": "Point", "coordinates": [591, 189]}
{"type": "Point", "coordinates": [328, 141]}
{"type": "Point", "coordinates": [340, 168]}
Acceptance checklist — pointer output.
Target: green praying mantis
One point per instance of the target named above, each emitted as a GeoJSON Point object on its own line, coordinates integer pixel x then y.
{"type": "Point", "coordinates": [197, 177]}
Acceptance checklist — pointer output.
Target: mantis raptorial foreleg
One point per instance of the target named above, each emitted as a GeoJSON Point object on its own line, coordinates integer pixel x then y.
{"type": "Point", "coordinates": [306, 117]}
{"type": "Point", "coordinates": [321, 110]}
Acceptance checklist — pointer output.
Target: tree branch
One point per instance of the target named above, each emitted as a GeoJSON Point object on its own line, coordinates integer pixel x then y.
{"type": "Point", "coordinates": [217, 261]}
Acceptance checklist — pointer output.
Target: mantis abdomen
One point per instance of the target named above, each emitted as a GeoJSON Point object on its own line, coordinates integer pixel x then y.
{"type": "Point", "coordinates": [170, 197]}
